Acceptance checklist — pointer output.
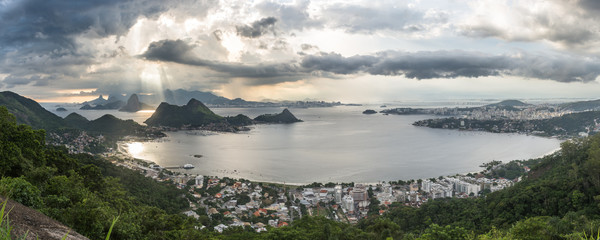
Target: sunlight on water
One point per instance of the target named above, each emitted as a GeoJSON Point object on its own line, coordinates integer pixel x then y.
{"type": "Point", "coordinates": [135, 148]}
{"type": "Point", "coordinates": [146, 111]}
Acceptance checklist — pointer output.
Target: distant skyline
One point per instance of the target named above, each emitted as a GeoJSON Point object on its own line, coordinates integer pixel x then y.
{"type": "Point", "coordinates": [352, 51]}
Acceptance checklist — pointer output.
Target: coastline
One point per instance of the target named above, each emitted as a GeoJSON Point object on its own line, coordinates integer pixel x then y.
{"type": "Point", "coordinates": [255, 176]}
{"type": "Point", "coordinates": [297, 184]}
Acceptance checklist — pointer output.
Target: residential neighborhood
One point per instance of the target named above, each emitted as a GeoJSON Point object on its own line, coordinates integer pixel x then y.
{"type": "Point", "coordinates": [221, 203]}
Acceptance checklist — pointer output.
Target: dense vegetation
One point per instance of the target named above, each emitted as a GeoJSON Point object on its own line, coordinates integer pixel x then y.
{"type": "Point", "coordinates": [559, 199]}
{"type": "Point", "coordinates": [85, 192]}
{"type": "Point", "coordinates": [30, 112]}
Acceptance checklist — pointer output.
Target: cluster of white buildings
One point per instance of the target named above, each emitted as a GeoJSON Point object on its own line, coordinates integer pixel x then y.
{"type": "Point", "coordinates": [462, 186]}
{"type": "Point", "coordinates": [352, 200]}
{"type": "Point", "coordinates": [530, 113]}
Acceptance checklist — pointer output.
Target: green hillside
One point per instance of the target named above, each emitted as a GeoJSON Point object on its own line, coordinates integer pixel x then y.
{"type": "Point", "coordinates": [30, 112]}
{"type": "Point", "coordinates": [82, 191]}
{"type": "Point", "coordinates": [582, 105]}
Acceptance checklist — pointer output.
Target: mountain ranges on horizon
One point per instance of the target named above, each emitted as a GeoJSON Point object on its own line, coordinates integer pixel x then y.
{"type": "Point", "coordinates": [181, 97]}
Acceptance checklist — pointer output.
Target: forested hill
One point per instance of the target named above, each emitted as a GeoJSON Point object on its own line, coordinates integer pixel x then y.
{"type": "Point", "coordinates": [30, 112]}
{"type": "Point", "coordinates": [85, 192]}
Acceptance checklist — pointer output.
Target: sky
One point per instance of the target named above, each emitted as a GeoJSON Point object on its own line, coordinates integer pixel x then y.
{"type": "Point", "coordinates": [351, 51]}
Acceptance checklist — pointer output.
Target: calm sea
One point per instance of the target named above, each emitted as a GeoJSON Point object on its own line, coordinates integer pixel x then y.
{"type": "Point", "coordinates": [338, 144]}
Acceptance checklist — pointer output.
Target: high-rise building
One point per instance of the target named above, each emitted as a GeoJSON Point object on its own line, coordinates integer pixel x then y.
{"type": "Point", "coordinates": [199, 181]}
{"type": "Point", "coordinates": [359, 194]}
{"type": "Point", "coordinates": [338, 194]}
{"type": "Point", "coordinates": [387, 188]}
{"type": "Point", "coordinates": [348, 203]}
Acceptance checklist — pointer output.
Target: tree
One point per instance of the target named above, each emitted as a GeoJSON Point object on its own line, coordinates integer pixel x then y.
{"type": "Point", "coordinates": [21, 191]}
{"type": "Point", "coordinates": [448, 232]}
{"type": "Point", "coordinates": [535, 228]}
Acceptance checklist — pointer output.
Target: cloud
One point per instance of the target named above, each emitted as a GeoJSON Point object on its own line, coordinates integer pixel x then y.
{"type": "Point", "coordinates": [417, 65]}
{"type": "Point", "coordinates": [355, 17]}
{"type": "Point", "coordinates": [44, 26]}
{"type": "Point", "coordinates": [565, 24]}
{"type": "Point", "coordinates": [454, 64]}
{"type": "Point", "coordinates": [293, 16]}
{"type": "Point", "coordinates": [258, 28]}
{"type": "Point", "coordinates": [380, 16]}
{"type": "Point", "coordinates": [336, 63]}
{"type": "Point", "coordinates": [590, 5]}
{"type": "Point", "coordinates": [179, 51]}
{"type": "Point", "coordinates": [171, 51]}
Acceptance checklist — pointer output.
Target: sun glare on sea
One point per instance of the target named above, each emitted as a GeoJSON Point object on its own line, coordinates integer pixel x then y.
{"type": "Point", "coordinates": [135, 148]}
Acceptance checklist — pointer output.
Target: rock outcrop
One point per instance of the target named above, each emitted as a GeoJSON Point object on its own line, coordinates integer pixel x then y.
{"type": "Point", "coordinates": [35, 225]}
{"type": "Point", "coordinates": [134, 105]}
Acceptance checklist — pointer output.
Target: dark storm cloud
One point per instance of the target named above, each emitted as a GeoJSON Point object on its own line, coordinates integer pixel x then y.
{"type": "Point", "coordinates": [336, 63]}
{"type": "Point", "coordinates": [258, 28]}
{"type": "Point", "coordinates": [439, 64]}
{"type": "Point", "coordinates": [171, 51]}
{"type": "Point", "coordinates": [45, 26]}
{"type": "Point", "coordinates": [453, 64]}
{"type": "Point", "coordinates": [416, 65]}
{"type": "Point", "coordinates": [419, 65]}
{"type": "Point", "coordinates": [39, 38]}
{"type": "Point", "coordinates": [179, 51]}
{"type": "Point", "coordinates": [590, 4]}
{"type": "Point", "coordinates": [40, 70]}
